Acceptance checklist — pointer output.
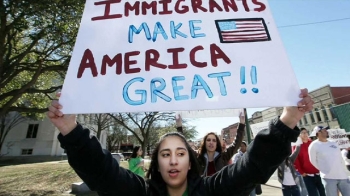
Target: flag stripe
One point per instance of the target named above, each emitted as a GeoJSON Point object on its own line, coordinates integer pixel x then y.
{"type": "Point", "coordinates": [243, 30]}
{"type": "Point", "coordinates": [263, 30]}
{"type": "Point", "coordinates": [244, 35]}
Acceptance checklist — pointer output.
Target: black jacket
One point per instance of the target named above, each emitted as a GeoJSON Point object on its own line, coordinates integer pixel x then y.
{"type": "Point", "coordinates": [223, 158]}
{"type": "Point", "coordinates": [101, 172]}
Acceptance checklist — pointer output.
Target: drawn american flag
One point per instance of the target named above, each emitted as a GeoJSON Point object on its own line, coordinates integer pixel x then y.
{"type": "Point", "coordinates": [242, 30]}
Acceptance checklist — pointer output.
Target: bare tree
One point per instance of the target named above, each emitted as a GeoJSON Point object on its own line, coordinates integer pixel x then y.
{"type": "Point", "coordinates": [117, 134]}
{"type": "Point", "coordinates": [101, 121]}
{"type": "Point", "coordinates": [7, 122]}
{"type": "Point", "coordinates": [141, 124]}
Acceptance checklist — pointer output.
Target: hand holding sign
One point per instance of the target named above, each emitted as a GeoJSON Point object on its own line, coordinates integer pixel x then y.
{"type": "Point", "coordinates": [242, 117]}
{"type": "Point", "coordinates": [64, 122]}
{"type": "Point", "coordinates": [178, 120]}
{"type": "Point", "coordinates": [292, 115]}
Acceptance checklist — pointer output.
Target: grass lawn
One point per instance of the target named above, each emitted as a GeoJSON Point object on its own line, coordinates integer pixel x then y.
{"type": "Point", "coordinates": [50, 178]}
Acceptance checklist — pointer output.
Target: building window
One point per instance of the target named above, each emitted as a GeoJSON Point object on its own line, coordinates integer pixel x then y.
{"type": "Point", "coordinates": [305, 120]}
{"type": "Point", "coordinates": [32, 130]}
{"type": "Point", "coordinates": [27, 151]}
{"type": "Point", "coordinates": [333, 115]}
{"type": "Point", "coordinates": [300, 122]}
{"type": "Point", "coordinates": [318, 116]}
{"type": "Point", "coordinates": [324, 113]}
{"type": "Point", "coordinates": [312, 117]}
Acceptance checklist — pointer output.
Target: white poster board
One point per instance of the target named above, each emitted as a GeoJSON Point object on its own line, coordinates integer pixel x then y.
{"type": "Point", "coordinates": [133, 56]}
{"type": "Point", "coordinates": [210, 113]}
{"type": "Point", "coordinates": [339, 136]}
{"type": "Point", "coordinates": [256, 128]}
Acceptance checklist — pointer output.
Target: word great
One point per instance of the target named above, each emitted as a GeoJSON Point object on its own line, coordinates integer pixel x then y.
{"type": "Point", "coordinates": [180, 7]}
{"type": "Point", "coordinates": [157, 85]}
{"type": "Point", "coordinates": [151, 60]}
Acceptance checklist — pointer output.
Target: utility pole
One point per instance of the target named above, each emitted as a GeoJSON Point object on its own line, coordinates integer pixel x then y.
{"type": "Point", "coordinates": [247, 126]}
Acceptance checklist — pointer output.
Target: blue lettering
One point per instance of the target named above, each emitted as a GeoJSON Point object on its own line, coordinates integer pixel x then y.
{"type": "Point", "coordinates": [220, 78]}
{"type": "Point", "coordinates": [158, 29]}
{"type": "Point", "coordinates": [199, 83]}
{"type": "Point", "coordinates": [193, 29]}
{"type": "Point", "coordinates": [157, 91]}
{"type": "Point", "coordinates": [176, 88]}
{"type": "Point", "coordinates": [143, 93]}
{"type": "Point", "coordinates": [132, 30]}
{"type": "Point", "coordinates": [174, 30]}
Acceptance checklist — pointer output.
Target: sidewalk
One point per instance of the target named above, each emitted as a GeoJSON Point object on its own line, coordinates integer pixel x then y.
{"type": "Point", "coordinates": [273, 183]}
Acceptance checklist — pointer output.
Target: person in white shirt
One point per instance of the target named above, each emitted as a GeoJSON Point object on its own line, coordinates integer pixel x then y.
{"type": "Point", "coordinates": [345, 154]}
{"type": "Point", "coordinates": [325, 155]}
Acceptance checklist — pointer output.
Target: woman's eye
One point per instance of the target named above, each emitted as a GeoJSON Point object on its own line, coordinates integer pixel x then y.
{"type": "Point", "coordinates": [165, 155]}
{"type": "Point", "coordinates": [181, 154]}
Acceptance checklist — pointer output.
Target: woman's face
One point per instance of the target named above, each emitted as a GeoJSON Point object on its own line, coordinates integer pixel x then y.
{"type": "Point", "coordinates": [174, 162]}
{"type": "Point", "coordinates": [139, 152]}
{"type": "Point", "coordinates": [210, 143]}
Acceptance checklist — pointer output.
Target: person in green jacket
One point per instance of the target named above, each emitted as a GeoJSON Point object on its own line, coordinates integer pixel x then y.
{"type": "Point", "coordinates": [136, 163]}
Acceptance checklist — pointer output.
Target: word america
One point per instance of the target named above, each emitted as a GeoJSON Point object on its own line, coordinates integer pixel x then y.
{"type": "Point", "coordinates": [180, 7]}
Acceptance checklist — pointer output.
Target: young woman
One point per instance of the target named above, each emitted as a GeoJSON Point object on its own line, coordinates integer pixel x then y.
{"type": "Point", "coordinates": [287, 175]}
{"type": "Point", "coordinates": [136, 163]}
{"type": "Point", "coordinates": [212, 158]}
{"type": "Point", "coordinates": [173, 170]}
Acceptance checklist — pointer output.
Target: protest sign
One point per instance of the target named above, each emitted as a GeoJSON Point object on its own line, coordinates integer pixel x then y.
{"type": "Point", "coordinates": [256, 128]}
{"type": "Point", "coordinates": [210, 113]}
{"type": "Point", "coordinates": [134, 56]}
{"type": "Point", "coordinates": [339, 136]}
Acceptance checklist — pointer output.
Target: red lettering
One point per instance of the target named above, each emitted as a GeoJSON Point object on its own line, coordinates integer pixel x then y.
{"type": "Point", "coordinates": [213, 4]}
{"type": "Point", "coordinates": [153, 61]}
{"type": "Point", "coordinates": [184, 9]}
{"type": "Point", "coordinates": [262, 6]}
{"type": "Point", "coordinates": [129, 62]}
{"type": "Point", "coordinates": [165, 4]}
{"type": "Point", "coordinates": [176, 64]}
{"type": "Point", "coordinates": [87, 61]}
{"type": "Point", "coordinates": [216, 53]}
{"type": "Point", "coordinates": [107, 10]}
{"type": "Point", "coordinates": [146, 6]}
{"type": "Point", "coordinates": [193, 57]}
{"type": "Point", "coordinates": [245, 5]}
{"type": "Point", "coordinates": [128, 7]}
{"type": "Point", "coordinates": [197, 5]}
{"type": "Point", "coordinates": [232, 4]}
{"type": "Point", "coordinates": [117, 59]}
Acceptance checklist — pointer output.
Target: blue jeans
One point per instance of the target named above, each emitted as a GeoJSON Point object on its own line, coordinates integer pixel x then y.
{"type": "Point", "coordinates": [314, 185]}
{"type": "Point", "coordinates": [332, 186]}
{"type": "Point", "coordinates": [290, 190]}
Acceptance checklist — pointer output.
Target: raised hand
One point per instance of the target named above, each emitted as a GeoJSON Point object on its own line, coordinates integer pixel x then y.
{"type": "Point", "coordinates": [178, 120]}
{"type": "Point", "coordinates": [64, 122]}
{"type": "Point", "coordinates": [291, 115]}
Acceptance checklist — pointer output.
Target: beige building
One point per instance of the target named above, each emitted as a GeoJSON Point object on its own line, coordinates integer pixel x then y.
{"type": "Point", "coordinates": [271, 113]}
{"type": "Point", "coordinates": [257, 117]}
{"type": "Point", "coordinates": [325, 99]}
{"type": "Point", "coordinates": [37, 138]}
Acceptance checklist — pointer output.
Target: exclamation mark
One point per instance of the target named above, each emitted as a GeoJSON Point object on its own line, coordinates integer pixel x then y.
{"type": "Point", "coordinates": [254, 78]}
{"type": "Point", "coordinates": [243, 90]}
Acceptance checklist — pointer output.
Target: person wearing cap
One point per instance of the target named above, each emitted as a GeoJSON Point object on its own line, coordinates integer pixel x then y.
{"type": "Point", "coordinates": [311, 175]}
{"type": "Point", "coordinates": [325, 155]}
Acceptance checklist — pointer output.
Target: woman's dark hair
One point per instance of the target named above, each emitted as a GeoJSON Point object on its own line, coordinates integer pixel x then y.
{"type": "Point", "coordinates": [134, 151]}
{"type": "Point", "coordinates": [204, 148]}
{"type": "Point", "coordinates": [153, 172]}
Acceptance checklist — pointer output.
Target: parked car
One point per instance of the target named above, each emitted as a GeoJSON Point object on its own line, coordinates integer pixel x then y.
{"type": "Point", "coordinates": [121, 156]}
{"type": "Point", "coordinates": [118, 156]}
{"type": "Point", "coordinates": [127, 155]}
